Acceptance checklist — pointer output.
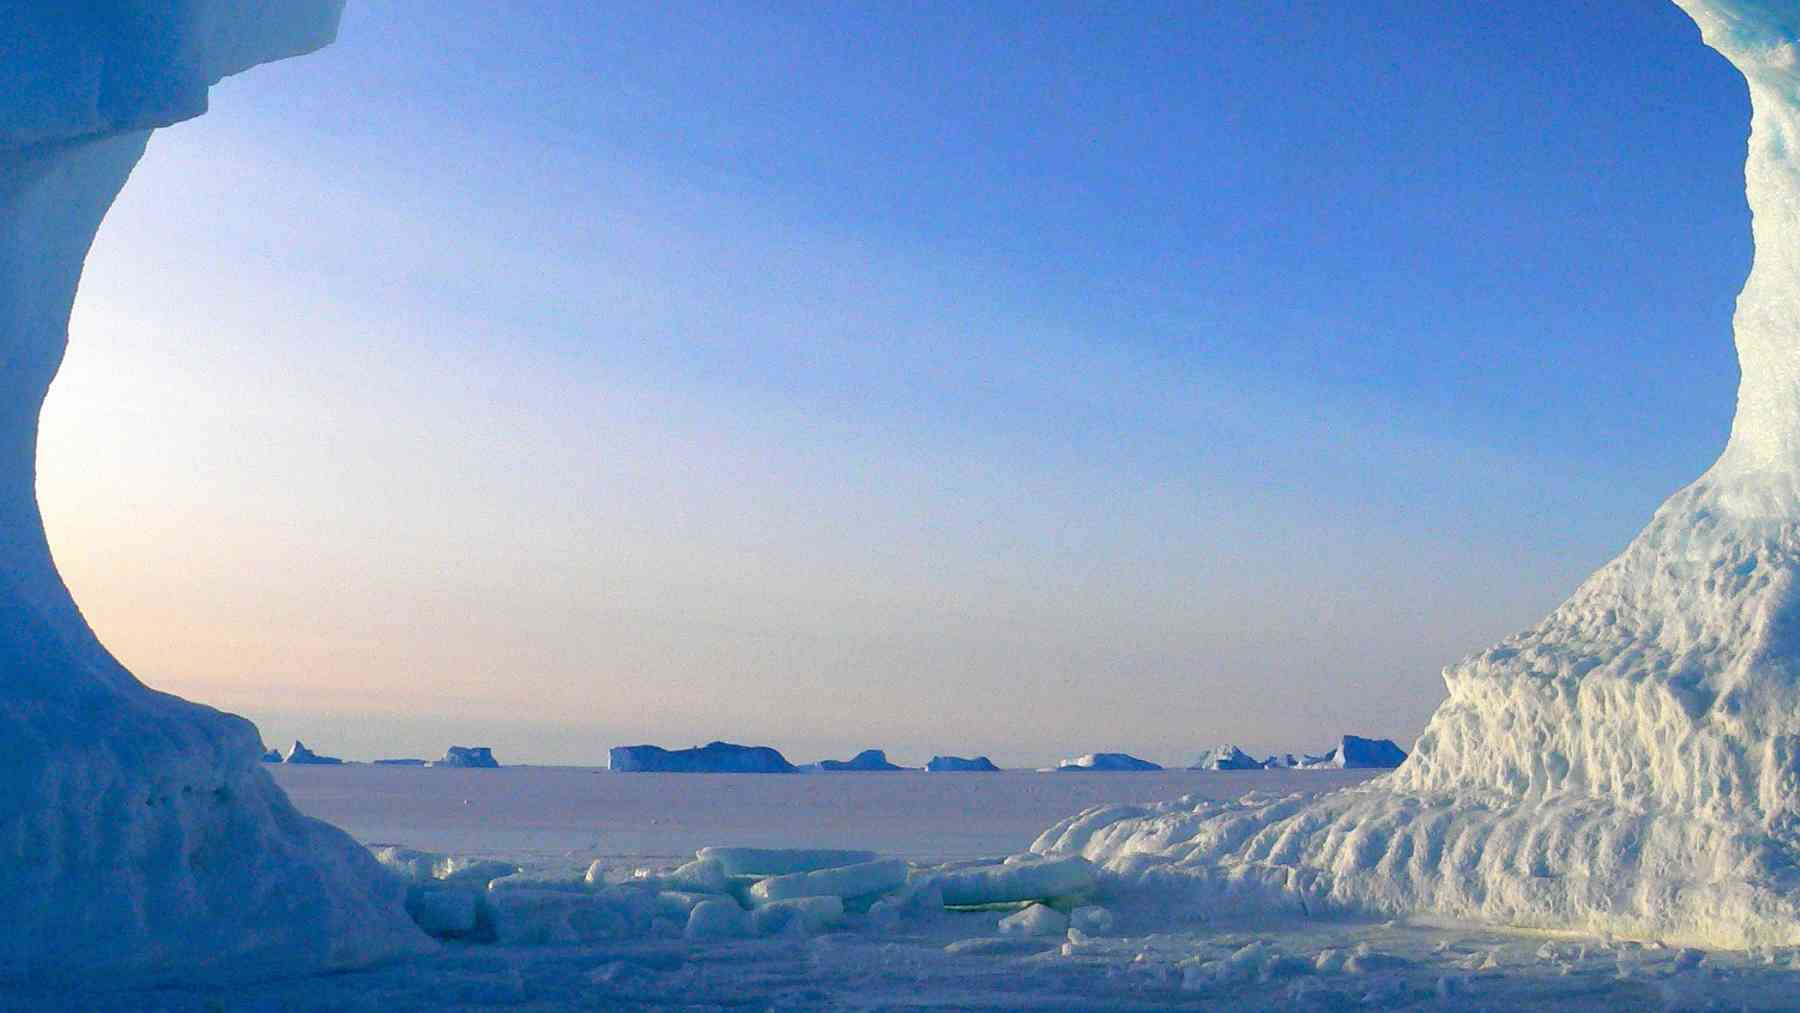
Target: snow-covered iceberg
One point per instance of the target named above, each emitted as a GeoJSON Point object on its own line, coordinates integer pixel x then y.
{"type": "Point", "coordinates": [1631, 765]}
{"type": "Point", "coordinates": [868, 760]}
{"type": "Point", "coordinates": [712, 758]}
{"type": "Point", "coordinates": [961, 765]}
{"type": "Point", "coordinates": [469, 756]}
{"type": "Point", "coordinates": [1106, 761]}
{"type": "Point", "coordinates": [143, 832]}
{"type": "Point", "coordinates": [1226, 757]}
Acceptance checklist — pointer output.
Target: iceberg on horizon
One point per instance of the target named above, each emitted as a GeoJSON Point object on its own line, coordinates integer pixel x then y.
{"type": "Point", "coordinates": [1107, 762]}
{"type": "Point", "coordinates": [1226, 757]}
{"type": "Point", "coordinates": [303, 756]}
{"type": "Point", "coordinates": [712, 758]}
{"type": "Point", "coordinates": [869, 760]}
{"type": "Point", "coordinates": [961, 765]}
{"type": "Point", "coordinates": [469, 756]}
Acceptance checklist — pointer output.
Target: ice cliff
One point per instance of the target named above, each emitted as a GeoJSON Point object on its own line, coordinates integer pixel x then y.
{"type": "Point", "coordinates": [1632, 764]}
{"type": "Point", "coordinates": [138, 831]}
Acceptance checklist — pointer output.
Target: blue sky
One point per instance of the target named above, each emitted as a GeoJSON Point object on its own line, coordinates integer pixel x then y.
{"type": "Point", "coordinates": [1026, 380]}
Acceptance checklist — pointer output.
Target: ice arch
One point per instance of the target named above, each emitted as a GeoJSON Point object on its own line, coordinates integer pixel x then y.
{"type": "Point", "coordinates": [137, 830]}
{"type": "Point", "coordinates": [1632, 764]}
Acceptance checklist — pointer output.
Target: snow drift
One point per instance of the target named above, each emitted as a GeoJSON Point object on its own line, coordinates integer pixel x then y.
{"type": "Point", "coordinates": [1632, 764]}
{"type": "Point", "coordinates": [138, 832]}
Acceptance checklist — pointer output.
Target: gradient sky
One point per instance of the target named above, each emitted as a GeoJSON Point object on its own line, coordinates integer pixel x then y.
{"type": "Point", "coordinates": [1012, 379]}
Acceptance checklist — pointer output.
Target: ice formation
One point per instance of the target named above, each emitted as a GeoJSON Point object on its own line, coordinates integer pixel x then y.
{"type": "Point", "coordinates": [1226, 757]}
{"type": "Point", "coordinates": [865, 761]}
{"type": "Point", "coordinates": [1107, 761]}
{"type": "Point", "coordinates": [469, 756]}
{"type": "Point", "coordinates": [299, 754]}
{"type": "Point", "coordinates": [961, 765]}
{"type": "Point", "coordinates": [712, 758]}
{"type": "Point", "coordinates": [138, 831]}
{"type": "Point", "coordinates": [1632, 764]}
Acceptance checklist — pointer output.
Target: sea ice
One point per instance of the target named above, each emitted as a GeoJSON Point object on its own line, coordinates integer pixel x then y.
{"type": "Point", "coordinates": [782, 861]}
{"type": "Point", "coordinates": [861, 880]}
{"type": "Point", "coordinates": [1035, 921]}
{"type": "Point", "coordinates": [1049, 879]}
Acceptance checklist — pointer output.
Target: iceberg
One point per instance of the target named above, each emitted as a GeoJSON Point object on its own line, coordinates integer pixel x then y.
{"type": "Point", "coordinates": [469, 756]}
{"type": "Point", "coordinates": [179, 855]}
{"type": "Point", "coordinates": [1107, 761]}
{"type": "Point", "coordinates": [1226, 758]}
{"type": "Point", "coordinates": [712, 758]}
{"type": "Point", "coordinates": [867, 760]}
{"type": "Point", "coordinates": [299, 754]}
{"type": "Point", "coordinates": [1631, 765]}
{"type": "Point", "coordinates": [960, 765]}
{"type": "Point", "coordinates": [1353, 753]}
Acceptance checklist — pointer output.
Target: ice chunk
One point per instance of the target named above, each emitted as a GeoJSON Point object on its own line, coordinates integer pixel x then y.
{"type": "Point", "coordinates": [448, 911]}
{"type": "Point", "coordinates": [717, 919]}
{"type": "Point", "coordinates": [799, 914]}
{"type": "Point", "coordinates": [782, 861]}
{"type": "Point", "coordinates": [1034, 922]}
{"type": "Point", "coordinates": [1092, 919]}
{"type": "Point", "coordinates": [596, 874]}
{"type": "Point", "coordinates": [712, 758]}
{"type": "Point", "coordinates": [861, 880]}
{"type": "Point", "coordinates": [562, 916]}
{"type": "Point", "coordinates": [1107, 761]}
{"type": "Point", "coordinates": [416, 866]}
{"type": "Point", "coordinates": [702, 875]}
{"type": "Point", "coordinates": [960, 765]}
{"type": "Point", "coordinates": [1045, 879]}
{"type": "Point", "coordinates": [538, 881]}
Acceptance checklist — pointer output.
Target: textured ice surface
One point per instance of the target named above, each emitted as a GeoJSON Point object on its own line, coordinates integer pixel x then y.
{"type": "Point", "coordinates": [1632, 764]}
{"type": "Point", "coordinates": [137, 831]}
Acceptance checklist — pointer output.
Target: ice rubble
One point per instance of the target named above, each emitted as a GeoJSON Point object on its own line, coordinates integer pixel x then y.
{"type": "Point", "coordinates": [728, 893]}
{"type": "Point", "coordinates": [1631, 766]}
{"type": "Point", "coordinates": [712, 758]}
{"type": "Point", "coordinates": [137, 831]}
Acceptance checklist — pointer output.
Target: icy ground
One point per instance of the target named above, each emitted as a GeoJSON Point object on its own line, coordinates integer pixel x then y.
{"type": "Point", "coordinates": [1158, 953]}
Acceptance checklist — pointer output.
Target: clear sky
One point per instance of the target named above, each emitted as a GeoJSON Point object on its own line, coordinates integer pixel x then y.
{"type": "Point", "coordinates": [973, 378]}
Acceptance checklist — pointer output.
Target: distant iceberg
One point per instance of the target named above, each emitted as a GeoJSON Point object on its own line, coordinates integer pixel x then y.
{"type": "Point", "coordinates": [271, 756]}
{"type": "Point", "coordinates": [469, 756]}
{"type": "Point", "coordinates": [1227, 757]}
{"type": "Point", "coordinates": [712, 758]}
{"type": "Point", "coordinates": [301, 755]}
{"type": "Point", "coordinates": [961, 765]}
{"type": "Point", "coordinates": [1107, 761]}
{"type": "Point", "coordinates": [407, 761]}
{"type": "Point", "coordinates": [867, 760]}
{"type": "Point", "coordinates": [1354, 753]}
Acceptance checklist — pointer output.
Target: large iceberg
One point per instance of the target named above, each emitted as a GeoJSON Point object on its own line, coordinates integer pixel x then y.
{"type": "Point", "coordinates": [138, 831]}
{"type": "Point", "coordinates": [1106, 761]}
{"type": "Point", "coordinates": [1632, 764]}
{"type": "Point", "coordinates": [865, 761]}
{"type": "Point", "coordinates": [712, 758]}
{"type": "Point", "coordinates": [961, 765]}
{"type": "Point", "coordinates": [1226, 757]}
{"type": "Point", "coordinates": [469, 756]}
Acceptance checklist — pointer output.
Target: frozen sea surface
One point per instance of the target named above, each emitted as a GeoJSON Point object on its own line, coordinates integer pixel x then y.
{"type": "Point", "coordinates": [547, 815]}
{"type": "Point", "coordinates": [1159, 952]}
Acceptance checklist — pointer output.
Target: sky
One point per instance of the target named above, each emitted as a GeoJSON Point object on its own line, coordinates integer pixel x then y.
{"type": "Point", "coordinates": [1017, 379]}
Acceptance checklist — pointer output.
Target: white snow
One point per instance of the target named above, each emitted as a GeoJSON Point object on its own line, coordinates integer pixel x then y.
{"type": "Point", "coordinates": [157, 840]}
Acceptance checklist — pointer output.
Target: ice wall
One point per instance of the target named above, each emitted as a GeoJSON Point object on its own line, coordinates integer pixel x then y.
{"type": "Point", "coordinates": [1632, 764]}
{"type": "Point", "coordinates": [138, 832]}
